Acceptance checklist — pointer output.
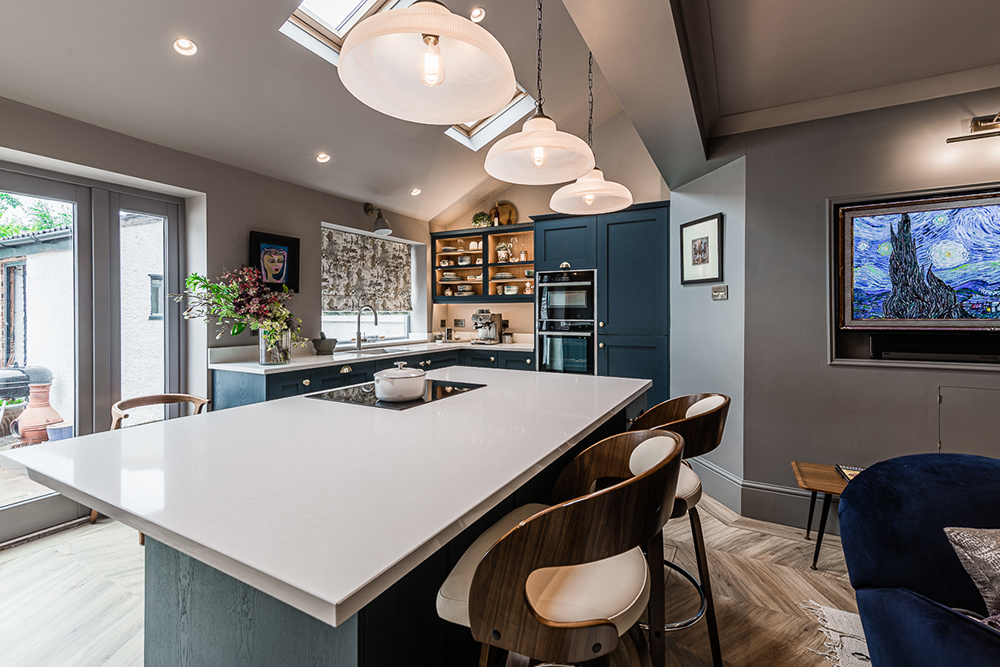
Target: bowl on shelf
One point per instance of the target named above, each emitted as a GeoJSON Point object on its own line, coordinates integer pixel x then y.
{"type": "Point", "coordinates": [464, 288]}
{"type": "Point", "coordinates": [529, 273]}
{"type": "Point", "coordinates": [511, 289]}
{"type": "Point", "coordinates": [464, 260]}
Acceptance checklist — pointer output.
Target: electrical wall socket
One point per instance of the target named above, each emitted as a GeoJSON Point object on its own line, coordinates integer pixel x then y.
{"type": "Point", "coordinates": [459, 323]}
{"type": "Point", "coordinates": [444, 323]}
{"type": "Point", "coordinates": [720, 292]}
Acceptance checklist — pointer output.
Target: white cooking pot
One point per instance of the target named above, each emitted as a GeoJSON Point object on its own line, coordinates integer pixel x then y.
{"type": "Point", "coordinates": [399, 384]}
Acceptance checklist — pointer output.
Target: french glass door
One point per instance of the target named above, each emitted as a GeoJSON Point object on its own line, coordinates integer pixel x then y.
{"type": "Point", "coordinates": [84, 318]}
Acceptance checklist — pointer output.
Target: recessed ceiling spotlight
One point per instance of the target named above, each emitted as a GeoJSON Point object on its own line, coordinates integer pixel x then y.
{"type": "Point", "coordinates": [415, 191]}
{"type": "Point", "coordinates": [323, 158]}
{"type": "Point", "coordinates": [478, 14]}
{"type": "Point", "coordinates": [185, 47]}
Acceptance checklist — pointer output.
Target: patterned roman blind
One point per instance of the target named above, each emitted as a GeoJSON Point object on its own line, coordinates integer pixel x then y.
{"type": "Point", "coordinates": [359, 270]}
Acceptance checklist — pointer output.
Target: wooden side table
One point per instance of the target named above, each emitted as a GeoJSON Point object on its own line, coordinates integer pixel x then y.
{"type": "Point", "coordinates": [818, 478]}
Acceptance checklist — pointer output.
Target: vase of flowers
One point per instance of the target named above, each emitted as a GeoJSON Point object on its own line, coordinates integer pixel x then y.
{"type": "Point", "coordinates": [241, 300]}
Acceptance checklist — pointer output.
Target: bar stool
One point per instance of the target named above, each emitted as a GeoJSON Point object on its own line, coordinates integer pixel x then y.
{"type": "Point", "coordinates": [700, 419]}
{"type": "Point", "coordinates": [564, 583]}
{"type": "Point", "coordinates": [118, 414]}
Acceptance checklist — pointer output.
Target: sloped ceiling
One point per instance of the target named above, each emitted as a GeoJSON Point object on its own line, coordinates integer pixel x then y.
{"type": "Point", "coordinates": [255, 99]}
{"type": "Point", "coordinates": [695, 70]}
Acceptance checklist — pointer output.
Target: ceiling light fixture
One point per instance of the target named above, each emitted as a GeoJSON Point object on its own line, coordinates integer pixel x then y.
{"type": "Point", "coordinates": [185, 46]}
{"type": "Point", "coordinates": [323, 158]}
{"type": "Point", "coordinates": [478, 14]}
{"type": "Point", "coordinates": [426, 65]}
{"type": "Point", "coordinates": [539, 154]}
{"type": "Point", "coordinates": [381, 227]}
{"type": "Point", "coordinates": [591, 193]}
{"type": "Point", "coordinates": [981, 127]}
{"type": "Point", "coordinates": [415, 191]}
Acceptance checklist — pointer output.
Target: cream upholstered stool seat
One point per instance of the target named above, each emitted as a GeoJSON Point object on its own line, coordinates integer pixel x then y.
{"type": "Point", "coordinates": [615, 588]}
{"type": "Point", "coordinates": [568, 583]}
{"type": "Point", "coordinates": [688, 488]}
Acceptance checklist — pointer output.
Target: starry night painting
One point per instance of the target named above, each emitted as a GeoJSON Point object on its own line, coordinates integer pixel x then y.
{"type": "Point", "coordinates": [925, 268]}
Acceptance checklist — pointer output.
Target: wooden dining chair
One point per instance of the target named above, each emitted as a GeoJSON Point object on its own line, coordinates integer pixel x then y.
{"type": "Point", "coordinates": [118, 414]}
{"type": "Point", "coordinates": [565, 583]}
{"type": "Point", "coordinates": [700, 419]}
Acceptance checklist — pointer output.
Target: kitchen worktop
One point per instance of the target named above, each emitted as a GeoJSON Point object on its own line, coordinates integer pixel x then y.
{"type": "Point", "coordinates": [325, 505]}
{"type": "Point", "coordinates": [307, 361]}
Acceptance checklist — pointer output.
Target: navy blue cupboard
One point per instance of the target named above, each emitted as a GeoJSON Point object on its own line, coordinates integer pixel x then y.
{"type": "Point", "coordinates": [231, 389]}
{"type": "Point", "coordinates": [518, 361]}
{"type": "Point", "coordinates": [630, 250]}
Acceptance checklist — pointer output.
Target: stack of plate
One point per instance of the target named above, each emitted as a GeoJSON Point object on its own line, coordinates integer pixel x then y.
{"type": "Point", "coordinates": [449, 248]}
{"type": "Point", "coordinates": [464, 288]}
{"type": "Point", "coordinates": [449, 275]}
{"type": "Point", "coordinates": [503, 275]}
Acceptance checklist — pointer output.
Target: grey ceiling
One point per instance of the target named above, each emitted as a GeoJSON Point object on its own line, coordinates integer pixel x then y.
{"type": "Point", "coordinates": [256, 99]}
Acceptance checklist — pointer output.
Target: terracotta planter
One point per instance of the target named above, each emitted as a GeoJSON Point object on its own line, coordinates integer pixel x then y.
{"type": "Point", "coordinates": [31, 425]}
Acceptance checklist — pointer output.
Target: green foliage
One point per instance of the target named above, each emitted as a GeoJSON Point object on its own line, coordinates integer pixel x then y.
{"type": "Point", "coordinates": [41, 217]}
{"type": "Point", "coordinates": [481, 219]}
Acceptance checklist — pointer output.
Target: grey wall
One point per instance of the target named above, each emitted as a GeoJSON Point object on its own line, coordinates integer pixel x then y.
{"type": "Point", "coordinates": [797, 405]}
{"type": "Point", "coordinates": [235, 202]}
{"type": "Point", "coordinates": [706, 337]}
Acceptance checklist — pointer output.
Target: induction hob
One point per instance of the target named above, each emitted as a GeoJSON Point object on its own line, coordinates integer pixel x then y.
{"type": "Point", "coordinates": [364, 394]}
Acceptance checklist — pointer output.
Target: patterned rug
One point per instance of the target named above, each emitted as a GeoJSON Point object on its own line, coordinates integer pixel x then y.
{"type": "Point", "coordinates": [846, 645]}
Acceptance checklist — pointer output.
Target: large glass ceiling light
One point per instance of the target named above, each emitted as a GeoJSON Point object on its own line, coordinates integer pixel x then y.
{"type": "Point", "coordinates": [426, 65]}
{"type": "Point", "coordinates": [539, 154]}
{"type": "Point", "coordinates": [591, 193]}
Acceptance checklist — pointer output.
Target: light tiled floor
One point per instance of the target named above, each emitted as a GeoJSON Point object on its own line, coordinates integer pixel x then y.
{"type": "Point", "coordinates": [76, 598]}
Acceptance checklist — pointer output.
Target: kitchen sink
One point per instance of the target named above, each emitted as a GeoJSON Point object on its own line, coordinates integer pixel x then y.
{"type": "Point", "coordinates": [371, 351]}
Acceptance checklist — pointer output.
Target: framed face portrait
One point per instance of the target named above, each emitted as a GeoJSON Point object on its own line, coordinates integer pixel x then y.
{"type": "Point", "coordinates": [701, 251]}
{"type": "Point", "coordinates": [277, 258]}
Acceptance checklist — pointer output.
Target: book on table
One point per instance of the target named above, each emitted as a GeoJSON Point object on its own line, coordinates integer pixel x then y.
{"type": "Point", "coordinates": [848, 472]}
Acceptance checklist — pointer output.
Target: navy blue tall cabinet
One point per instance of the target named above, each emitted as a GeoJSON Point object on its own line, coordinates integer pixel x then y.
{"type": "Point", "coordinates": [630, 250]}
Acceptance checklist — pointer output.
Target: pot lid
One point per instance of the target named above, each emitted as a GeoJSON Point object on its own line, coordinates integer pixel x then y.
{"type": "Point", "coordinates": [400, 371]}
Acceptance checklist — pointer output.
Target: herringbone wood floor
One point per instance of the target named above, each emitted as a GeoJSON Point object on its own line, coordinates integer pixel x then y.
{"type": "Point", "coordinates": [75, 598]}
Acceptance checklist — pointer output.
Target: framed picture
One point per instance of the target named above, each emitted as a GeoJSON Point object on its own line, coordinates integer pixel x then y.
{"type": "Point", "coordinates": [277, 257]}
{"type": "Point", "coordinates": [923, 263]}
{"type": "Point", "coordinates": [701, 251]}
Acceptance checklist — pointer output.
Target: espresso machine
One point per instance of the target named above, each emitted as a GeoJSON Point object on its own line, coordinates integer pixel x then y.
{"type": "Point", "coordinates": [489, 325]}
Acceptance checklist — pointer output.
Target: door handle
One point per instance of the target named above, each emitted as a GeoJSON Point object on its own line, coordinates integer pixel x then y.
{"type": "Point", "coordinates": [306, 382]}
{"type": "Point", "coordinates": [601, 345]}
{"type": "Point", "coordinates": [345, 369]}
{"type": "Point", "coordinates": [527, 361]}
{"type": "Point", "coordinates": [600, 324]}
{"type": "Point", "coordinates": [493, 358]}
{"type": "Point", "coordinates": [421, 364]}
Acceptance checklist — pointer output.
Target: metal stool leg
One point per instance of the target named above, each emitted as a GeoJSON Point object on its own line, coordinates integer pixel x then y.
{"type": "Point", "coordinates": [706, 585]}
{"type": "Point", "coordinates": [812, 508]}
{"type": "Point", "coordinates": [657, 644]}
{"type": "Point", "coordinates": [822, 527]}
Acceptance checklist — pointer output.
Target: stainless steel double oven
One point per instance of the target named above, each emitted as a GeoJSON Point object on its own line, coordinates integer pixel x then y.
{"type": "Point", "coordinates": [565, 315]}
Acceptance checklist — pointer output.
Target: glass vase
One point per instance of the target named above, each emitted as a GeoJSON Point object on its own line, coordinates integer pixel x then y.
{"type": "Point", "coordinates": [276, 351]}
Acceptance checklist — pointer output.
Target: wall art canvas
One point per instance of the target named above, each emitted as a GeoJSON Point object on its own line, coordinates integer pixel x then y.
{"type": "Point", "coordinates": [701, 250]}
{"type": "Point", "coordinates": [930, 263]}
{"type": "Point", "coordinates": [277, 258]}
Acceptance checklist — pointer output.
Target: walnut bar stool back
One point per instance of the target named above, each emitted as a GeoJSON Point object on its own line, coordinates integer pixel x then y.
{"type": "Point", "coordinates": [564, 583]}
{"type": "Point", "coordinates": [700, 419]}
{"type": "Point", "coordinates": [118, 413]}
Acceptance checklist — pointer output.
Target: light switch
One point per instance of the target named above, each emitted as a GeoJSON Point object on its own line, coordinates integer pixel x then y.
{"type": "Point", "coordinates": [720, 292]}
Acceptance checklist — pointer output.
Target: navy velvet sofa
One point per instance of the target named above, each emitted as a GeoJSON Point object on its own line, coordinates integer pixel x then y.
{"type": "Point", "coordinates": [907, 577]}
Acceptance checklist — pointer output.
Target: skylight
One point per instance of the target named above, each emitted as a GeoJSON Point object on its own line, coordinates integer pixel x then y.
{"type": "Point", "coordinates": [337, 16]}
{"type": "Point", "coordinates": [477, 134]}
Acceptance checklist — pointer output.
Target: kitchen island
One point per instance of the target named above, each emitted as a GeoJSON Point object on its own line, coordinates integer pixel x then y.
{"type": "Point", "coordinates": [304, 531]}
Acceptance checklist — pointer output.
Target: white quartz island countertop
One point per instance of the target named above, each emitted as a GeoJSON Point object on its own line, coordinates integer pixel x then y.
{"type": "Point", "coordinates": [324, 505]}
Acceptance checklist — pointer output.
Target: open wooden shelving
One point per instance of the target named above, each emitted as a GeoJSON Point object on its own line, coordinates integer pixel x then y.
{"type": "Point", "coordinates": [485, 241]}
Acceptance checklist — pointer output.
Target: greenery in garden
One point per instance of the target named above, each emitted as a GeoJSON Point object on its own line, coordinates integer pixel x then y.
{"type": "Point", "coordinates": [19, 216]}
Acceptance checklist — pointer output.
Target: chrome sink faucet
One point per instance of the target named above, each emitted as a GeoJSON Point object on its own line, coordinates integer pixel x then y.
{"type": "Point", "coordinates": [358, 338]}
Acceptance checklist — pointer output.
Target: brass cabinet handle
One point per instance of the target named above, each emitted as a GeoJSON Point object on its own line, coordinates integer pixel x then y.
{"type": "Point", "coordinates": [345, 369]}
{"type": "Point", "coordinates": [600, 324]}
{"type": "Point", "coordinates": [429, 362]}
{"type": "Point", "coordinates": [527, 361]}
{"type": "Point", "coordinates": [493, 358]}
{"type": "Point", "coordinates": [600, 345]}
{"type": "Point", "coordinates": [421, 364]}
{"type": "Point", "coordinates": [306, 382]}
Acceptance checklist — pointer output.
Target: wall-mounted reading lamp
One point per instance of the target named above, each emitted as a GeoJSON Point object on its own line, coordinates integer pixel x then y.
{"type": "Point", "coordinates": [382, 227]}
{"type": "Point", "coordinates": [980, 128]}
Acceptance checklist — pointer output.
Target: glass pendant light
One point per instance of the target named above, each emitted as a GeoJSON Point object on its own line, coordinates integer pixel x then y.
{"type": "Point", "coordinates": [424, 64]}
{"type": "Point", "coordinates": [591, 193]}
{"type": "Point", "coordinates": [539, 154]}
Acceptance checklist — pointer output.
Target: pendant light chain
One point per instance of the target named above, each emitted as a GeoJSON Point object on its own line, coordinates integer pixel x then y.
{"type": "Point", "coordinates": [590, 100]}
{"type": "Point", "coordinates": [538, 102]}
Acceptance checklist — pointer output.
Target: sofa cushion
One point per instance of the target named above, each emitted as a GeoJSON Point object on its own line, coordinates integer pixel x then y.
{"type": "Point", "coordinates": [979, 551]}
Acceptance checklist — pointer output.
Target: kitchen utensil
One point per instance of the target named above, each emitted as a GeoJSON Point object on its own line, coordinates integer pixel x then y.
{"type": "Point", "coordinates": [324, 345]}
{"type": "Point", "coordinates": [400, 383]}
